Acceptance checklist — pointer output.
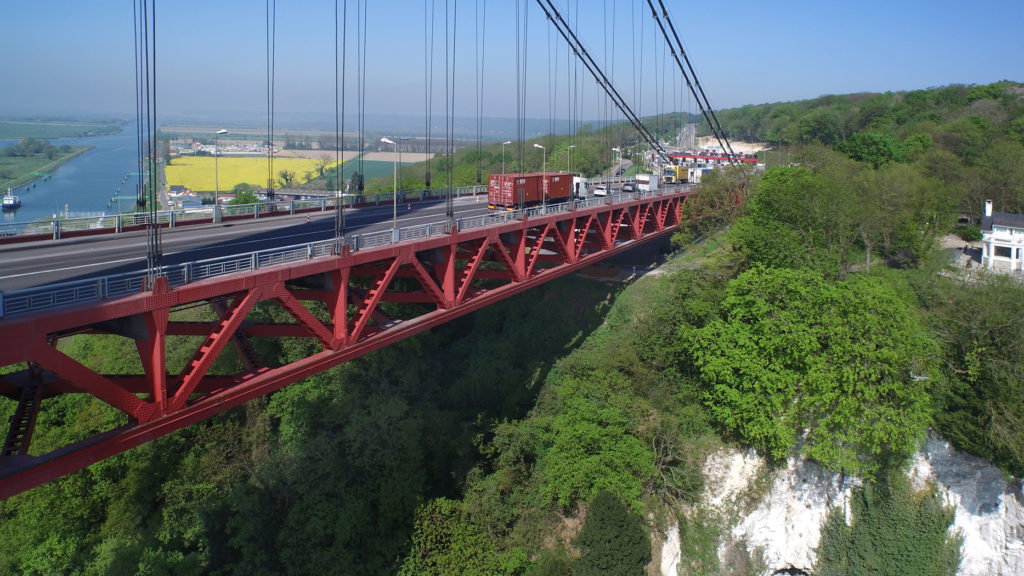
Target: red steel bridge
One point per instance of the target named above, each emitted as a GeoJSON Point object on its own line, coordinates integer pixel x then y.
{"type": "Point", "coordinates": [341, 298]}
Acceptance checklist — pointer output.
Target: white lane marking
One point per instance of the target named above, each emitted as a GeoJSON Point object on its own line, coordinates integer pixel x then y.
{"type": "Point", "coordinates": [224, 245]}
{"type": "Point", "coordinates": [79, 267]}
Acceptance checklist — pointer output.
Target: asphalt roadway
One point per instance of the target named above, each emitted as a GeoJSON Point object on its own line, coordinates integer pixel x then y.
{"type": "Point", "coordinates": [54, 261]}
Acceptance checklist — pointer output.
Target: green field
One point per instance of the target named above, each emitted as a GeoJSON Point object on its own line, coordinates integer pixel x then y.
{"type": "Point", "coordinates": [371, 168]}
{"type": "Point", "coordinates": [16, 130]}
{"type": "Point", "coordinates": [19, 170]}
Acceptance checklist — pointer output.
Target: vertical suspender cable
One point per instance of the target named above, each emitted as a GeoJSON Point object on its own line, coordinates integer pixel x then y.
{"type": "Point", "coordinates": [361, 56]}
{"type": "Point", "coordinates": [428, 79]}
{"type": "Point", "coordinates": [522, 112]}
{"type": "Point", "coordinates": [153, 249]}
{"type": "Point", "coordinates": [449, 95]}
{"type": "Point", "coordinates": [569, 92]}
{"type": "Point", "coordinates": [551, 97]}
{"type": "Point", "coordinates": [577, 96]}
{"type": "Point", "coordinates": [519, 88]}
{"type": "Point", "coordinates": [361, 135]}
{"type": "Point", "coordinates": [339, 210]}
{"type": "Point", "coordinates": [140, 197]}
{"type": "Point", "coordinates": [481, 54]}
{"type": "Point", "coordinates": [271, 57]}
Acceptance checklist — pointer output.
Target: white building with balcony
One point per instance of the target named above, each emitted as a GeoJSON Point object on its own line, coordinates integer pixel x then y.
{"type": "Point", "coordinates": [1002, 239]}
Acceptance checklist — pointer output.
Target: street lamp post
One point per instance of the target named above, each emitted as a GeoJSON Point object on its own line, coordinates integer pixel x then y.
{"type": "Point", "coordinates": [619, 152]}
{"type": "Point", "coordinates": [568, 159]}
{"type": "Point", "coordinates": [503, 155]}
{"type": "Point", "coordinates": [544, 176]}
{"type": "Point", "coordinates": [216, 175]}
{"type": "Point", "coordinates": [394, 193]}
{"type": "Point", "coordinates": [400, 159]}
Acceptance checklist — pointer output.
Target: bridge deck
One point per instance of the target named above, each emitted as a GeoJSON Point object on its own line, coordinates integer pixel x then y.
{"type": "Point", "coordinates": [343, 300]}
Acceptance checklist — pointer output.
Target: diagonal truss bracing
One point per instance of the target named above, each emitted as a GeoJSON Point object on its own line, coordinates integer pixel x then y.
{"type": "Point", "coordinates": [351, 303]}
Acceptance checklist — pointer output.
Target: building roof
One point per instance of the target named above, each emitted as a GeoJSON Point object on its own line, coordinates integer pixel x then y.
{"type": "Point", "coordinates": [1002, 219]}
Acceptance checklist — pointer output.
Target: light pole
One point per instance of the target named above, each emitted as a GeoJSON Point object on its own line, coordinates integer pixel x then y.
{"type": "Point", "coordinates": [394, 172]}
{"type": "Point", "coordinates": [617, 150]}
{"type": "Point", "coordinates": [400, 158]}
{"type": "Point", "coordinates": [503, 155]}
{"type": "Point", "coordinates": [216, 175]}
{"type": "Point", "coordinates": [568, 159]}
{"type": "Point", "coordinates": [544, 175]}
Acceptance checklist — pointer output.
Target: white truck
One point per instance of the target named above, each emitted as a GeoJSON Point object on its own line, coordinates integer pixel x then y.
{"type": "Point", "coordinates": [579, 187]}
{"type": "Point", "coordinates": [647, 182]}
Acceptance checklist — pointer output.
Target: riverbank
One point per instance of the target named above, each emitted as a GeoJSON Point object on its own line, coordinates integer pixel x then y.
{"type": "Point", "coordinates": [29, 170]}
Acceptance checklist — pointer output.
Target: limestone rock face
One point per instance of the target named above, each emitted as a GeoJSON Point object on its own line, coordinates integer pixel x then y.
{"type": "Point", "coordinates": [786, 524]}
{"type": "Point", "coordinates": [989, 507]}
{"type": "Point", "coordinates": [778, 514]}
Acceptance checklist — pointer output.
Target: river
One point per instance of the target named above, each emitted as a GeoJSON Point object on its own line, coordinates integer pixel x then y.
{"type": "Point", "coordinates": [85, 185]}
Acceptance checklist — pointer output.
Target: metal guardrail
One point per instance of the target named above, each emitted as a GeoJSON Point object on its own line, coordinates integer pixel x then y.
{"type": "Point", "coordinates": [57, 227]}
{"type": "Point", "coordinates": [36, 299]}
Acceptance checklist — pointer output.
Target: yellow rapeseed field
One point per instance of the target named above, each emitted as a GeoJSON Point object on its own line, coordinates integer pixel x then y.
{"type": "Point", "coordinates": [196, 172]}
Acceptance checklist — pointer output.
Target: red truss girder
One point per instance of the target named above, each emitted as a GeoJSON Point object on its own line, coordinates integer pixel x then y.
{"type": "Point", "coordinates": [448, 276]}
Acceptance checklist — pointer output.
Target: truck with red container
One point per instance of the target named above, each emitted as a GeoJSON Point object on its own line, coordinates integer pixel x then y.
{"type": "Point", "coordinates": [518, 190]}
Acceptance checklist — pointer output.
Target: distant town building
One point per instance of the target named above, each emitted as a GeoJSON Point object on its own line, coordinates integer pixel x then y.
{"type": "Point", "coordinates": [1002, 239]}
{"type": "Point", "coordinates": [189, 201]}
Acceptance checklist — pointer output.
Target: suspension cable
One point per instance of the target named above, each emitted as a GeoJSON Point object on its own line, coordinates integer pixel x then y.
{"type": "Point", "coordinates": [697, 91]}
{"type": "Point", "coordinates": [602, 80]}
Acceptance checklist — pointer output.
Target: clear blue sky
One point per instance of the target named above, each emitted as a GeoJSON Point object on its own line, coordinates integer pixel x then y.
{"type": "Point", "coordinates": [75, 57]}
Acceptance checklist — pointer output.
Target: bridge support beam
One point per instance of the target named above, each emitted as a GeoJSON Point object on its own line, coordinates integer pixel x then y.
{"type": "Point", "coordinates": [345, 302]}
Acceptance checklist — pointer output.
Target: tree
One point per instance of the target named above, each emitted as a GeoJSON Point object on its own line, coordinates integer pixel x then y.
{"type": "Point", "coordinates": [589, 443]}
{"type": "Point", "coordinates": [800, 215]}
{"type": "Point", "coordinates": [322, 163]}
{"type": "Point", "coordinates": [979, 407]}
{"type": "Point", "coordinates": [872, 147]}
{"type": "Point", "coordinates": [894, 531]}
{"type": "Point", "coordinates": [244, 198]}
{"type": "Point", "coordinates": [445, 542]}
{"type": "Point", "coordinates": [287, 178]}
{"type": "Point", "coordinates": [613, 541]}
{"type": "Point", "coordinates": [716, 203]}
{"type": "Point", "coordinates": [795, 360]}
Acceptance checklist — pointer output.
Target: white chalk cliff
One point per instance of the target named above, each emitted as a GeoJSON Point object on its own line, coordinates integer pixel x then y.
{"type": "Point", "coordinates": [782, 521]}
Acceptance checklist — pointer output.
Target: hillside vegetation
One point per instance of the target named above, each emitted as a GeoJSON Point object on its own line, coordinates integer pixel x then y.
{"type": "Point", "coordinates": [554, 432]}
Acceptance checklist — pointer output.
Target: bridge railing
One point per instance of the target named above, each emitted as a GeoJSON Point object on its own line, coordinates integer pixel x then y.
{"type": "Point", "coordinates": [56, 227]}
{"type": "Point", "coordinates": [40, 298]}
